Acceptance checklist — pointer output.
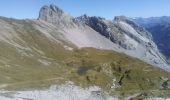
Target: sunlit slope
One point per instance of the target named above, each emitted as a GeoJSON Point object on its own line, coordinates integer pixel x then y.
{"type": "Point", "coordinates": [31, 59]}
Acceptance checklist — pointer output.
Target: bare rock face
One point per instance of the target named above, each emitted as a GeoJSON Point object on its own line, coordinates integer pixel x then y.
{"type": "Point", "coordinates": [121, 30]}
{"type": "Point", "coordinates": [166, 84]}
{"type": "Point", "coordinates": [140, 30]}
{"type": "Point", "coordinates": [132, 31]}
{"type": "Point", "coordinates": [56, 16]}
{"type": "Point", "coordinates": [122, 34]}
{"type": "Point", "coordinates": [105, 28]}
{"type": "Point", "coordinates": [128, 35]}
{"type": "Point", "coordinates": [159, 27]}
{"type": "Point", "coordinates": [142, 38]}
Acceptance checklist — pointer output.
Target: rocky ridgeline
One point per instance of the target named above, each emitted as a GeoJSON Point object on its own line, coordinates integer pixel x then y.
{"type": "Point", "coordinates": [113, 31]}
{"type": "Point", "coordinates": [159, 27]}
{"type": "Point", "coordinates": [56, 16]}
{"type": "Point", "coordinates": [131, 38]}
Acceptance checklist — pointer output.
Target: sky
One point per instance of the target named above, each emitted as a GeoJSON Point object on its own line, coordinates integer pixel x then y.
{"type": "Point", "coordinates": [22, 9]}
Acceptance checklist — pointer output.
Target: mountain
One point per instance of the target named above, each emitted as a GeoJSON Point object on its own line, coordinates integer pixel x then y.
{"type": "Point", "coordinates": [159, 27]}
{"type": "Point", "coordinates": [130, 37]}
{"type": "Point", "coordinates": [121, 35]}
{"type": "Point", "coordinates": [113, 31]}
{"type": "Point", "coordinates": [117, 56]}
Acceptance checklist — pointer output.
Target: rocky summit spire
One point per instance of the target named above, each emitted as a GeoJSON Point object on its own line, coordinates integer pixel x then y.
{"type": "Point", "coordinates": [53, 14]}
{"type": "Point", "coordinates": [56, 9]}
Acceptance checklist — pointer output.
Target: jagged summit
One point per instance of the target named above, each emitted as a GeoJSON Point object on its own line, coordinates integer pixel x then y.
{"type": "Point", "coordinates": [56, 9]}
{"type": "Point", "coordinates": [56, 16]}
{"type": "Point", "coordinates": [50, 10]}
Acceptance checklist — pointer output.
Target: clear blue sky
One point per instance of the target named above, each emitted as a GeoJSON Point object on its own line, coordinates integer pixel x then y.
{"type": "Point", "coordinates": [106, 8]}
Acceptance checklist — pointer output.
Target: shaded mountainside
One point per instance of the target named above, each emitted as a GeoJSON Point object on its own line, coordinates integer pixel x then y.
{"type": "Point", "coordinates": [132, 38]}
{"type": "Point", "coordinates": [38, 53]}
{"type": "Point", "coordinates": [159, 27]}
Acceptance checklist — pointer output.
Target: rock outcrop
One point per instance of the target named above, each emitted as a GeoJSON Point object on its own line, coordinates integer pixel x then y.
{"type": "Point", "coordinates": [56, 16]}
{"type": "Point", "coordinates": [166, 84]}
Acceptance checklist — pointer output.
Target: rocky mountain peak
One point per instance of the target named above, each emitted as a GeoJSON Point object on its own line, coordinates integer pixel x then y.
{"type": "Point", "coordinates": [53, 14]}
{"type": "Point", "coordinates": [56, 9]}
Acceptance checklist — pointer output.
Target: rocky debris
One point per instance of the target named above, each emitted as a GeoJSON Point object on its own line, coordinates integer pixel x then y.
{"type": "Point", "coordinates": [121, 79]}
{"type": "Point", "coordinates": [166, 84]}
{"type": "Point", "coordinates": [60, 92]}
{"type": "Point", "coordinates": [96, 92]}
{"type": "Point", "coordinates": [125, 74]}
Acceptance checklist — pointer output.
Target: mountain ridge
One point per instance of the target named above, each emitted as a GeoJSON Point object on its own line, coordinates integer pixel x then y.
{"type": "Point", "coordinates": [122, 32]}
{"type": "Point", "coordinates": [36, 54]}
{"type": "Point", "coordinates": [119, 35]}
{"type": "Point", "coordinates": [159, 28]}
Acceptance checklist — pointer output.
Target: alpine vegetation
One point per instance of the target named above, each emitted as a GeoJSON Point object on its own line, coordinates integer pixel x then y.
{"type": "Point", "coordinates": [61, 57]}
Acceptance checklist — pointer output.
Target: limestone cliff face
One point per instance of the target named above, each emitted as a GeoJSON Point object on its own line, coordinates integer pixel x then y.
{"type": "Point", "coordinates": [56, 16]}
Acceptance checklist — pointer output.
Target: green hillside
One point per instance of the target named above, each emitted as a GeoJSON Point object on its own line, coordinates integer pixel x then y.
{"type": "Point", "coordinates": [41, 62]}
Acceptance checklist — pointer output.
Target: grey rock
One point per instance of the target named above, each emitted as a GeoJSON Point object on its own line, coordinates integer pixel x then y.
{"type": "Point", "coordinates": [113, 31]}
{"type": "Point", "coordinates": [105, 28]}
{"type": "Point", "coordinates": [166, 84]}
{"type": "Point", "coordinates": [127, 34]}
{"type": "Point", "coordinates": [159, 27]}
{"type": "Point", "coordinates": [56, 16]}
{"type": "Point", "coordinates": [122, 33]}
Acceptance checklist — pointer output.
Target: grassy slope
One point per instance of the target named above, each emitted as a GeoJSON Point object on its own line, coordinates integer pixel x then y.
{"type": "Point", "coordinates": [22, 71]}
